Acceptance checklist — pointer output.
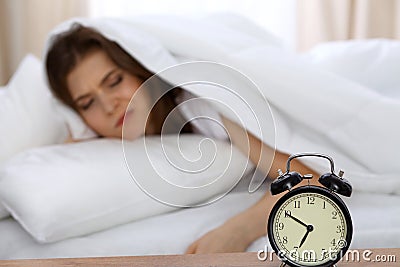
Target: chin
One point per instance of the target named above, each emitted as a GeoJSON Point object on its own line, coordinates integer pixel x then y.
{"type": "Point", "coordinates": [131, 135]}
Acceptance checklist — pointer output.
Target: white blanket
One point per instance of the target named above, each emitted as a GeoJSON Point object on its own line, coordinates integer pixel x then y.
{"type": "Point", "coordinates": [313, 110]}
{"type": "Point", "coordinates": [171, 233]}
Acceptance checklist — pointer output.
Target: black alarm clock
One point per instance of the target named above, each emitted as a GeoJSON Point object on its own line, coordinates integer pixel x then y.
{"type": "Point", "coordinates": [310, 225]}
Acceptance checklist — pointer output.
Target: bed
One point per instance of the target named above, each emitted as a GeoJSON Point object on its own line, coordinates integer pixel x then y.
{"type": "Point", "coordinates": [171, 233]}
{"type": "Point", "coordinates": [31, 230]}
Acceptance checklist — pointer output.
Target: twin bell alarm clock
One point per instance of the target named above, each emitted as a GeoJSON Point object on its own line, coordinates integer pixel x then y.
{"type": "Point", "coordinates": [310, 225]}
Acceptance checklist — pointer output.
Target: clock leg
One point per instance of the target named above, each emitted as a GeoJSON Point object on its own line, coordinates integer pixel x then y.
{"type": "Point", "coordinates": [282, 264]}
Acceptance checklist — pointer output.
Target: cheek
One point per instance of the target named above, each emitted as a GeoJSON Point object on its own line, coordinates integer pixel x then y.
{"type": "Point", "coordinates": [140, 101]}
{"type": "Point", "coordinates": [131, 87]}
{"type": "Point", "coordinates": [95, 122]}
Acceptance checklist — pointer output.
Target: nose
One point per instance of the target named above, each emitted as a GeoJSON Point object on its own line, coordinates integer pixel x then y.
{"type": "Point", "coordinates": [108, 102]}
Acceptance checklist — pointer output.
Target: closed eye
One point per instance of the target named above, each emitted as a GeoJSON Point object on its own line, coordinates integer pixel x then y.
{"type": "Point", "coordinates": [87, 105]}
{"type": "Point", "coordinates": [116, 81]}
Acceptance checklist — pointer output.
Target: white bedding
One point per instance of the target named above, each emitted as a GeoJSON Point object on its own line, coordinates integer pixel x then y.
{"type": "Point", "coordinates": [376, 220]}
{"type": "Point", "coordinates": [169, 233]}
{"type": "Point", "coordinates": [376, 216]}
{"type": "Point", "coordinates": [313, 109]}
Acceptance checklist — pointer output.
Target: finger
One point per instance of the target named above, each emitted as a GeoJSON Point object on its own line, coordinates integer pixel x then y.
{"type": "Point", "coordinates": [191, 249]}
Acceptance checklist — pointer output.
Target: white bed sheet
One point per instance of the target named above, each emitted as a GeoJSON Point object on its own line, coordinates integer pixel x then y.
{"type": "Point", "coordinates": [376, 219]}
{"type": "Point", "coordinates": [169, 233]}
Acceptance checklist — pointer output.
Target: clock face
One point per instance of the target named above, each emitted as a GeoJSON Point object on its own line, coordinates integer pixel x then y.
{"type": "Point", "coordinates": [310, 226]}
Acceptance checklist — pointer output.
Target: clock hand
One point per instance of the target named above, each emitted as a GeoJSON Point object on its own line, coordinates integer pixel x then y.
{"type": "Point", "coordinates": [304, 238]}
{"type": "Point", "coordinates": [297, 220]}
{"type": "Point", "coordinates": [310, 228]}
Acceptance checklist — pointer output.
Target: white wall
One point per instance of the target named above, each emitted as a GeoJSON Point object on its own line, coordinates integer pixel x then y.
{"type": "Point", "coordinates": [277, 16]}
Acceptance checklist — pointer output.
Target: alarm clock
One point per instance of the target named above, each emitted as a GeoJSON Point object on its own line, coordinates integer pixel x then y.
{"type": "Point", "coordinates": [310, 225]}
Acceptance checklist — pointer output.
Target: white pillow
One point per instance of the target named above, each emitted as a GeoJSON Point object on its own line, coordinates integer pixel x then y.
{"type": "Point", "coordinates": [68, 190]}
{"type": "Point", "coordinates": [372, 62]}
{"type": "Point", "coordinates": [27, 114]}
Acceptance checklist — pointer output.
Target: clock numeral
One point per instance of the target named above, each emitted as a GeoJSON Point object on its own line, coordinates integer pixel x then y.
{"type": "Point", "coordinates": [324, 206]}
{"type": "Point", "coordinates": [310, 200]}
{"type": "Point", "coordinates": [334, 214]}
{"type": "Point", "coordinates": [281, 226]}
{"type": "Point", "coordinates": [339, 229]}
{"type": "Point", "coordinates": [297, 204]}
{"type": "Point", "coordinates": [333, 242]}
{"type": "Point", "coordinates": [284, 240]}
{"type": "Point", "coordinates": [288, 213]}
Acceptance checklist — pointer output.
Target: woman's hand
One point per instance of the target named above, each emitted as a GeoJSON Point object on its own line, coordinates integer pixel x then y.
{"type": "Point", "coordinates": [236, 234]}
{"type": "Point", "coordinates": [226, 238]}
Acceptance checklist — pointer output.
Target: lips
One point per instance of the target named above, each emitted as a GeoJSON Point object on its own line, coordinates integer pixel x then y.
{"type": "Point", "coordinates": [121, 120]}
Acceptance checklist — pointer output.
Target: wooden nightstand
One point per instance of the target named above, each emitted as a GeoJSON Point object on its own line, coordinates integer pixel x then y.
{"type": "Point", "coordinates": [371, 257]}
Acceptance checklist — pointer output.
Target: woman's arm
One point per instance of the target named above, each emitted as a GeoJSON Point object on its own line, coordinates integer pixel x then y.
{"type": "Point", "coordinates": [237, 233]}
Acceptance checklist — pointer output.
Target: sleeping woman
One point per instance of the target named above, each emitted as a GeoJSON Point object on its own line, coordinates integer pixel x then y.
{"type": "Point", "coordinates": [97, 78]}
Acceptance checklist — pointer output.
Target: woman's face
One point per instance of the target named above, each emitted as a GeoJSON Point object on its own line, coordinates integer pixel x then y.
{"type": "Point", "coordinates": [102, 91]}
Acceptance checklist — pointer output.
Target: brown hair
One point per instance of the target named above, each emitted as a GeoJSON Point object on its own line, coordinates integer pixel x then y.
{"type": "Point", "coordinates": [69, 47]}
